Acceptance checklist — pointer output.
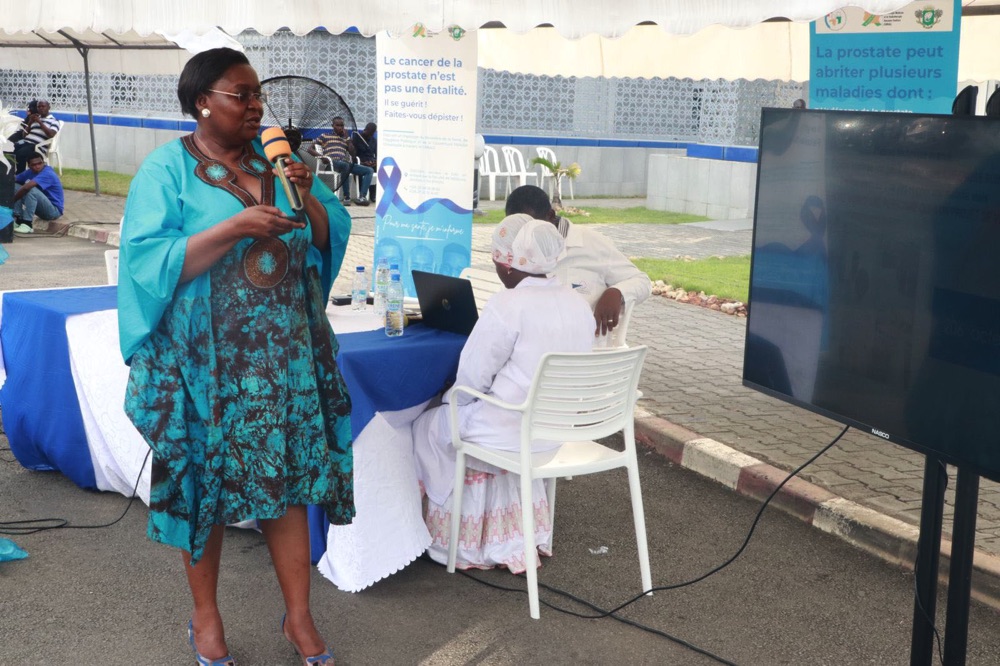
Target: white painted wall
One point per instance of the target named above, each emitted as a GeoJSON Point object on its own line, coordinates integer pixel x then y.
{"type": "Point", "coordinates": [714, 188]}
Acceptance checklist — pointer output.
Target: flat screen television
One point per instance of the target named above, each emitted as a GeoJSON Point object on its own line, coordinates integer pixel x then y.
{"type": "Point", "coordinates": [875, 276]}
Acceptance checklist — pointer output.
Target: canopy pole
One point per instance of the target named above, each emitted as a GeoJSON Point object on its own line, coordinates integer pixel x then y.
{"type": "Point", "coordinates": [84, 51]}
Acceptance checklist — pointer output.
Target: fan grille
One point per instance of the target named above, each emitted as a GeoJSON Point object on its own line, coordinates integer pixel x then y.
{"type": "Point", "coordinates": [305, 104]}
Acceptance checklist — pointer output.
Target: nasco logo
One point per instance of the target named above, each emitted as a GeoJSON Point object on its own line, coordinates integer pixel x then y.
{"type": "Point", "coordinates": [879, 433]}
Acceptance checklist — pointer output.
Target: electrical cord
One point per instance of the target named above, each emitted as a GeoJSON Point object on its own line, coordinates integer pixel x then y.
{"type": "Point", "coordinates": [584, 602]}
{"type": "Point", "coordinates": [25, 527]}
{"type": "Point", "coordinates": [746, 541]}
{"type": "Point", "coordinates": [601, 613]}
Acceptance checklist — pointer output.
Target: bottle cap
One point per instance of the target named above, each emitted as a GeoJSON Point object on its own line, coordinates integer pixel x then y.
{"type": "Point", "coordinates": [394, 267]}
{"type": "Point", "coordinates": [361, 269]}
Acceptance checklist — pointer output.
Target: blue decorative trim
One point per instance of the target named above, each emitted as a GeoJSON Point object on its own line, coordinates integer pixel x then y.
{"type": "Point", "coordinates": [704, 151]}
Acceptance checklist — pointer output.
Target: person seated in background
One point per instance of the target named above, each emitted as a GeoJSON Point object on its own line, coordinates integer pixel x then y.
{"type": "Point", "coordinates": [39, 192]}
{"type": "Point", "coordinates": [592, 265]}
{"type": "Point", "coordinates": [366, 148]}
{"type": "Point", "coordinates": [36, 128]}
{"type": "Point", "coordinates": [534, 315]}
{"type": "Point", "coordinates": [339, 148]}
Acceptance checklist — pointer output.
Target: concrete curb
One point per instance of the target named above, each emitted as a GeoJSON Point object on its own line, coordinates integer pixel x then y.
{"type": "Point", "coordinates": [883, 536]}
{"type": "Point", "coordinates": [107, 234]}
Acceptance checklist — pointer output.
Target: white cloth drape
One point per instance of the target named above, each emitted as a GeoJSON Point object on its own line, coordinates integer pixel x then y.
{"type": "Point", "coordinates": [574, 18]}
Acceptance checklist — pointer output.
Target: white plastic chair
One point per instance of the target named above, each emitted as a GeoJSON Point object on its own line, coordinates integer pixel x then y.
{"type": "Point", "coordinates": [543, 173]}
{"type": "Point", "coordinates": [514, 161]}
{"type": "Point", "coordinates": [111, 265]}
{"type": "Point", "coordinates": [616, 338]}
{"type": "Point", "coordinates": [489, 168]}
{"type": "Point", "coordinates": [485, 283]}
{"type": "Point", "coordinates": [52, 146]}
{"type": "Point", "coordinates": [575, 398]}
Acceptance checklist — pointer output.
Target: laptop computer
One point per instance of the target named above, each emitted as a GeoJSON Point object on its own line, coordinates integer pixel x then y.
{"type": "Point", "coordinates": [446, 303]}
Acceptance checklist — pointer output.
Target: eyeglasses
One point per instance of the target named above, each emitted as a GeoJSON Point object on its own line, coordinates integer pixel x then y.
{"type": "Point", "coordinates": [244, 96]}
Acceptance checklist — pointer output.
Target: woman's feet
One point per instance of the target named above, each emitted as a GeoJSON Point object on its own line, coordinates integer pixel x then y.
{"type": "Point", "coordinates": [302, 634]}
{"type": "Point", "coordinates": [212, 642]}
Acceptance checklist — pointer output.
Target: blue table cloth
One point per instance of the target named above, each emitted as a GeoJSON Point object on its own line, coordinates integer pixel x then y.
{"type": "Point", "coordinates": [41, 414]}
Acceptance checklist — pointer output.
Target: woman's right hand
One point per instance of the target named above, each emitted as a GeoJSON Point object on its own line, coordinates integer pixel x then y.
{"type": "Point", "coordinates": [262, 222]}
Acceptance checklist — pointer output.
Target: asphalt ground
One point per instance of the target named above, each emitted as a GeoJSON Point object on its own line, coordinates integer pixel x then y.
{"type": "Point", "coordinates": [691, 380]}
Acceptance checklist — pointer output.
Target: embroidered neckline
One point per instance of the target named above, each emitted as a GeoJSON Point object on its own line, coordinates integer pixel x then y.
{"type": "Point", "coordinates": [217, 174]}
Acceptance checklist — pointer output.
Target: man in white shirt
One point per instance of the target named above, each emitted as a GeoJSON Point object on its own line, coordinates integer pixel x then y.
{"type": "Point", "coordinates": [37, 127]}
{"type": "Point", "coordinates": [592, 265]}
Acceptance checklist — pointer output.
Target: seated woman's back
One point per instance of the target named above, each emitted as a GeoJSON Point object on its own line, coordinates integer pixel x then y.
{"type": "Point", "coordinates": [536, 317]}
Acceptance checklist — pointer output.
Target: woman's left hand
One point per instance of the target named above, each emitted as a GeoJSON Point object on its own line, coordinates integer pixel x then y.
{"type": "Point", "coordinates": [299, 174]}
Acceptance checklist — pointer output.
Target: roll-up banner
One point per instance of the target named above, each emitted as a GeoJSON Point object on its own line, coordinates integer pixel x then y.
{"type": "Point", "coordinates": [426, 130]}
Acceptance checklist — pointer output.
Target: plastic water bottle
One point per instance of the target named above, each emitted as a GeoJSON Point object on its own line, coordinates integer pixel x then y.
{"type": "Point", "coordinates": [382, 279]}
{"type": "Point", "coordinates": [394, 307]}
{"type": "Point", "coordinates": [359, 293]}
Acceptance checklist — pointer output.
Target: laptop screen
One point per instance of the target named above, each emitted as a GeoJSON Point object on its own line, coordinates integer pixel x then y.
{"type": "Point", "coordinates": [446, 303]}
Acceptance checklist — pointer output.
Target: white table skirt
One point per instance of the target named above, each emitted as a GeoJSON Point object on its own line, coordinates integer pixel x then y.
{"type": "Point", "coordinates": [388, 532]}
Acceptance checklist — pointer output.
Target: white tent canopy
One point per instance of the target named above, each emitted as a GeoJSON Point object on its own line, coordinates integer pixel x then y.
{"type": "Point", "coordinates": [572, 18]}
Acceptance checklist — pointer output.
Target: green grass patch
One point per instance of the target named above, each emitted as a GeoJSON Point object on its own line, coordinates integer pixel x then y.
{"type": "Point", "coordinates": [726, 277]}
{"type": "Point", "coordinates": [115, 184]}
{"type": "Point", "coordinates": [600, 215]}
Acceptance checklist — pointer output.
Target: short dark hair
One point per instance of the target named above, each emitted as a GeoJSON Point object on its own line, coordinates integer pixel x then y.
{"type": "Point", "coordinates": [529, 199]}
{"type": "Point", "coordinates": [201, 72]}
{"type": "Point", "coordinates": [35, 156]}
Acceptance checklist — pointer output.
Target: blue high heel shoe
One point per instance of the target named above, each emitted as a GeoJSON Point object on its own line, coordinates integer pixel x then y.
{"type": "Point", "coordinates": [322, 659]}
{"type": "Point", "coordinates": [204, 661]}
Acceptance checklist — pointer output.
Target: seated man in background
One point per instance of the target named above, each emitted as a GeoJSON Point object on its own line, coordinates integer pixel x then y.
{"type": "Point", "coordinates": [592, 265]}
{"type": "Point", "coordinates": [39, 193]}
{"type": "Point", "coordinates": [339, 147]}
{"type": "Point", "coordinates": [36, 128]}
{"type": "Point", "coordinates": [366, 148]}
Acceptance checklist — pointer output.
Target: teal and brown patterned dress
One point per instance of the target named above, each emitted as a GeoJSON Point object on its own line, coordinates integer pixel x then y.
{"type": "Point", "coordinates": [233, 378]}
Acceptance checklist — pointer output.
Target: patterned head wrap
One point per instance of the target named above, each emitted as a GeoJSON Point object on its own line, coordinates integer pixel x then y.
{"type": "Point", "coordinates": [503, 237]}
{"type": "Point", "coordinates": [535, 247]}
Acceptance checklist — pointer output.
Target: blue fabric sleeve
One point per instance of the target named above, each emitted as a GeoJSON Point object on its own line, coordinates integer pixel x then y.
{"type": "Point", "coordinates": [152, 247]}
{"type": "Point", "coordinates": [330, 260]}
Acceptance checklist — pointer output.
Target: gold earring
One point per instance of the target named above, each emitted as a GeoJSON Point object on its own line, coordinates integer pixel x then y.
{"type": "Point", "coordinates": [205, 113]}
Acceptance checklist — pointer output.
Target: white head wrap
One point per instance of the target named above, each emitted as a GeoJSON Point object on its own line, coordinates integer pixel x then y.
{"type": "Point", "coordinates": [504, 235]}
{"type": "Point", "coordinates": [535, 247]}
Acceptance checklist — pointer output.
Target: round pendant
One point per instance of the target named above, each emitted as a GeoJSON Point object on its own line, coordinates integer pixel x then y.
{"type": "Point", "coordinates": [266, 263]}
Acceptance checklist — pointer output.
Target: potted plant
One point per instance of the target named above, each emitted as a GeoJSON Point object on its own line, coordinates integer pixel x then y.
{"type": "Point", "coordinates": [558, 172]}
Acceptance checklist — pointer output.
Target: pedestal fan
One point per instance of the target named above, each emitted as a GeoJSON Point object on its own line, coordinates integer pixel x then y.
{"type": "Point", "coordinates": [303, 107]}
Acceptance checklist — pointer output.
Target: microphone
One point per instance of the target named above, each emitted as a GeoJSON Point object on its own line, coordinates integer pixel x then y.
{"type": "Point", "coordinates": [277, 149]}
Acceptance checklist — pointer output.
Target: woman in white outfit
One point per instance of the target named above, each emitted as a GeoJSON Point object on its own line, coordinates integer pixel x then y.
{"type": "Point", "coordinates": [534, 315]}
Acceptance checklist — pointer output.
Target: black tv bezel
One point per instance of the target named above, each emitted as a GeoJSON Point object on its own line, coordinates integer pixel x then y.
{"type": "Point", "coordinates": [861, 426]}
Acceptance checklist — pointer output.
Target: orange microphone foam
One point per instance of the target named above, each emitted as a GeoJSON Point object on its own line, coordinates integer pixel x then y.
{"type": "Point", "coordinates": [275, 143]}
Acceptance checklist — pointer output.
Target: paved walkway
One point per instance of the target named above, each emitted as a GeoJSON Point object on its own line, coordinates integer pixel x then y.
{"type": "Point", "coordinates": [866, 490]}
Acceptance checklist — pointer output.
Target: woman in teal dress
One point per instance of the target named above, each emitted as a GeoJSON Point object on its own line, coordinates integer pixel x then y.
{"type": "Point", "coordinates": [233, 380]}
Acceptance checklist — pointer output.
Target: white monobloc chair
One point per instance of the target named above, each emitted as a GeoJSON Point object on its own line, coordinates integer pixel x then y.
{"type": "Point", "coordinates": [489, 168]}
{"type": "Point", "coordinates": [574, 398]}
{"type": "Point", "coordinates": [485, 283]}
{"type": "Point", "coordinates": [514, 161]}
{"type": "Point", "coordinates": [543, 173]}
{"type": "Point", "coordinates": [111, 265]}
{"type": "Point", "coordinates": [52, 146]}
{"type": "Point", "coordinates": [616, 338]}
